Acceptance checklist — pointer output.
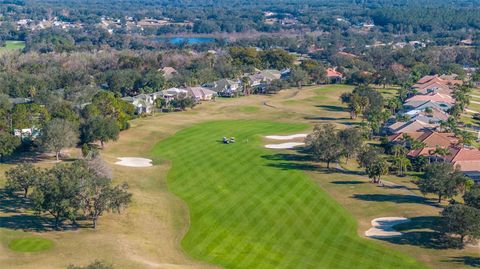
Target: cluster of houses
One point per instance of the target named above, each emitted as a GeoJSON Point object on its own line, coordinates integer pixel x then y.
{"type": "Point", "coordinates": [257, 82]}
{"type": "Point", "coordinates": [425, 110]}
{"type": "Point", "coordinates": [55, 22]}
{"type": "Point", "coordinates": [129, 23]}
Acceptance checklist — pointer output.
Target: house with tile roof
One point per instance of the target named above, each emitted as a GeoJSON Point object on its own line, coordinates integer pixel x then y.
{"type": "Point", "coordinates": [333, 76]}
{"type": "Point", "coordinates": [433, 87]}
{"type": "Point", "coordinates": [443, 79]}
{"type": "Point", "coordinates": [410, 127]}
{"type": "Point", "coordinates": [422, 105]}
{"type": "Point", "coordinates": [432, 115]}
{"type": "Point", "coordinates": [434, 97]}
{"type": "Point", "coordinates": [468, 160]}
{"type": "Point", "coordinates": [430, 138]}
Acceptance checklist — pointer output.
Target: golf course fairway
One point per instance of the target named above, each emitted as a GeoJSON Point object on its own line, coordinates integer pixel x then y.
{"type": "Point", "coordinates": [251, 209]}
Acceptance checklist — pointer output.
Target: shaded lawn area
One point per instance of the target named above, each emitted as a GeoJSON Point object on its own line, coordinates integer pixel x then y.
{"type": "Point", "coordinates": [247, 212]}
{"type": "Point", "coordinates": [13, 45]}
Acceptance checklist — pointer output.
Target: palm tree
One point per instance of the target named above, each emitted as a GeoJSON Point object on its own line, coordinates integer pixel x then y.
{"type": "Point", "coordinates": [401, 163]}
{"type": "Point", "coordinates": [442, 152]}
{"type": "Point", "coordinates": [417, 145]}
{"type": "Point", "coordinates": [393, 104]}
{"type": "Point", "coordinates": [465, 137]}
{"type": "Point", "coordinates": [398, 150]}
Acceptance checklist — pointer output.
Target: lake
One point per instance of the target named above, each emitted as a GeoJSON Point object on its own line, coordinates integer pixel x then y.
{"type": "Point", "coordinates": [189, 40]}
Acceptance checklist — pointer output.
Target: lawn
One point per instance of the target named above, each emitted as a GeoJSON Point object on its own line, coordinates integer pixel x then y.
{"type": "Point", "coordinates": [249, 208]}
{"type": "Point", "coordinates": [30, 244]}
{"type": "Point", "coordinates": [12, 45]}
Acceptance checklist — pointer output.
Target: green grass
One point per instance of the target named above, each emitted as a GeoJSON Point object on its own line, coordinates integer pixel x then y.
{"type": "Point", "coordinates": [13, 45]}
{"type": "Point", "coordinates": [251, 209]}
{"type": "Point", "coordinates": [249, 109]}
{"type": "Point", "coordinates": [333, 88]}
{"type": "Point", "coordinates": [30, 244]}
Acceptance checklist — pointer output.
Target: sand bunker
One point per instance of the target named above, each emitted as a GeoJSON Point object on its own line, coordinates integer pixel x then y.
{"type": "Point", "coordinates": [383, 227]}
{"type": "Point", "coordinates": [289, 145]}
{"type": "Point", "coordinates": [134, 162]}
{"type": "Point", "coordinates": [285, 137]}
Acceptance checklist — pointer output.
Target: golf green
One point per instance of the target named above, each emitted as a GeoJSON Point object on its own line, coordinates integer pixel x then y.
{"type": "Point", "coordinates": [251, 208]}
{"type": "Point", "coordinates": [30, 244]}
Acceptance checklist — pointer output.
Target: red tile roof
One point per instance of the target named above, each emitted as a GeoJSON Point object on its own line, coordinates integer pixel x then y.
{"type": "Point", "coordinates": [410, 126]}
{"type": "Point", "coordinates": [444, 79]}
{"type": "Point", "coordinates": [435, 97]}
{"type": "Point", "coordinates": [431, 139]}
{"type": "Point", "coordinates": [333, 73]}
{"type": "Point", "coordinates": [464, 154]}
{"type": "Point", "coordinates": [426, 79]}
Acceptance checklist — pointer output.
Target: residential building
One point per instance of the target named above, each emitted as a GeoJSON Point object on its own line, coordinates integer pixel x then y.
{"type": "Point", "coordinates": [422, 105]}
{"type": "Point", "coordinates": [201, 93]}
{"type": "Point", "coordinates": [432, 115]}
{"type": "Point", "coordinates": [224, 87]}
{"type": "Point", "coordinates": [434, 97]}
{"type": "Point", "coordinates": [333, 76]}
{"type": "Point", "coordinates": [168, 72]}
{"type": "Point", "coordinates": [467, 159]}
{"type": "Point", "coordinates": [410, 126]}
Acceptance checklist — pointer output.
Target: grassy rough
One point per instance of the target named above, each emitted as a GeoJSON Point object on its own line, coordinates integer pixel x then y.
{"type": "Point", "coordinates": [30, 244]}
{"type": "Point", "coordinates": [248, 209]}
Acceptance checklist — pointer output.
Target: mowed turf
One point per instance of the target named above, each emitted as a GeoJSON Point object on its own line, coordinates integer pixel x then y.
{"type": "Point", "coordinates": [13, 45]}
{"type": "Point", "coordinates": [251, 209]}
{"type": "Point", "coordinates": [30, 244]}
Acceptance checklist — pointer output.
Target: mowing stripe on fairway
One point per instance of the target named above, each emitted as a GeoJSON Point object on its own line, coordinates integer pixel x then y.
{"type": "Point", "coordinates": [251, 209]}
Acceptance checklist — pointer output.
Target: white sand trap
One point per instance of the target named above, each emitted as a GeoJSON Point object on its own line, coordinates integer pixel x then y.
{"type": "Point", "coordinates": [289, 145]}
{"type": "Point", "coordinates": [383, 227]}
{"type": "Point", "coordinates": [286, 137]}
{"type": "Point", "coordinates": [134, 162]}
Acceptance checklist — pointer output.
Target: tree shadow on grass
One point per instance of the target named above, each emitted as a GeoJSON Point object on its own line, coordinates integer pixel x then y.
{"type": "Point", "coordinates": [303, 161]}
{"type": "Point", "coordinates": [350, 123]}
{"type": "Point", "coordinates": [294, 165]}
{"type": "Point", "coordinates": [10, 203]}
{"type": "Point", "coordinates": [424, 239]}
{"type": "Point", "coordinates": [27, 222]}
{"type": "Point", "coordinates": [17, 214]}
{"type": "Point", "coordinates": [467, 260]}
{"type": "Point", "coordinates": [325, 118]}
{"type": "Point", "coordinates": [348, 182]}
{"type": "Point", "coordinates": [332, 108]}
{"type": "Point", "coordinates": [288, 157]}
{"type": "Point", "coordinates": [398, 187]}
{"type": "Point", "coordinates": [423, 232]}
{"type": "Point", "coordinates": [395, 198]}
{"type": "Point", "coordinates": [289, 161]}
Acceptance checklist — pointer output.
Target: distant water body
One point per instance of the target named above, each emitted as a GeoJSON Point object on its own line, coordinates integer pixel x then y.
{"type": "Point", "coordinates": [189, 40]}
